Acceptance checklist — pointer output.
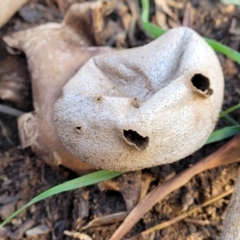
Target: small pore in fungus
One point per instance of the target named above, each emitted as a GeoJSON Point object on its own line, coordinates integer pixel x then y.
{"type": "Point", "coordinates": [78, 128]}
{"type": "Point", "coordinates": [135, 103]}
{"type": "Point", "coordinates": [202, 83]}
{"type": "Point", "coordinates": [136, 139]}
{"type": "Point", "coordinates": [99, 99]}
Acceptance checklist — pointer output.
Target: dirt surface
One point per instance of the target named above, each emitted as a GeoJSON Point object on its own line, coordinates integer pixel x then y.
{"type": "Point", "coordinates": [23, 175]}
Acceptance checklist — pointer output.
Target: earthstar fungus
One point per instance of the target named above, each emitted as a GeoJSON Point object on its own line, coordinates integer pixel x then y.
{"type": "Point", "coordinates": [142, 107]}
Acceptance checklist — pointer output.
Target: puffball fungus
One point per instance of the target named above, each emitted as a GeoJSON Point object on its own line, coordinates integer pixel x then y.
{"type": "Point", "coordinates": [142, 107]}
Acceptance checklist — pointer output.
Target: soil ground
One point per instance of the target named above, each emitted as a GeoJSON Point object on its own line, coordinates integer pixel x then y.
{"type": "Point", "coordinates": [23, 175]}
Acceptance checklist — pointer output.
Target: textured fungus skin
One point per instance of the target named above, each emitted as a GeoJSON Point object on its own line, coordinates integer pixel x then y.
{"type": "Point", "coordinates": [142, 107]}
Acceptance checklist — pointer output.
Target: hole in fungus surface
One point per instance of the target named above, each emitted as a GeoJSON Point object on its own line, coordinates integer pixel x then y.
{"type": "Point", "coordinates": [202, 83]}
{"type": "Point", "coordinates": [78, 128]}
{"type": "Point", "coordinates": [136, 139]}
{"type": "Point", "coordinates": [135, 103]}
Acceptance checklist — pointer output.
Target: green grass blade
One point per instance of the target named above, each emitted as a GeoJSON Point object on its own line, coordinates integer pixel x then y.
{"type": "Point", "coordinates": [229, 110]}
{"type": "Point", "coordinates": [221, 48]}
{"type": "Point", "coordinates": [223, 133]}
{"type": "Point", "coordinates": [235, 2]}
{"type": "Point", "coordinates": [150, 28]}
{"type": "Point", "coordinates": [231, 120]}
{"type": "Point", "coordinates": [145, 11]}
{"type": "Point", "coordinates": [86, 180]}
{"type": "Point", "coordinates": [155, 32]}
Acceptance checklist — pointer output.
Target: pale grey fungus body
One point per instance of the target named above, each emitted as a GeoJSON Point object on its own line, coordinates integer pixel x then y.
{"type": "Point", "coordinates": [138, 108]}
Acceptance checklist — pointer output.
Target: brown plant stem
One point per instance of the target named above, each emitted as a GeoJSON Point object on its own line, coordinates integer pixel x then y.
{"type": "Point", "coordinates": [184, 215]}
{"type": "Point", "coordinates": [227, 154]}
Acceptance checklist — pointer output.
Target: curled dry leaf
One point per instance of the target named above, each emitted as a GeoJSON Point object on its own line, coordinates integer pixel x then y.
{"type": "Point", "coordinates": [54, 52]}
{"type": "Point", "coordinates": [142, 107]}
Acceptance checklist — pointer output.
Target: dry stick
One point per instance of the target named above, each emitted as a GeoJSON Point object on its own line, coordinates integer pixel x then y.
{"type": "Point", "coordinates": [227, 154]}
{"type": "Point", "coordinates": [112, 218]}
{"type": "Point", "coordinates": [77, 235]}
{"type": "Point", "coordinates": [183, 215]}
{"type": "Point", "coordinates": [188, 16]}
{"type": "Point", "coordinates": [10, 111]}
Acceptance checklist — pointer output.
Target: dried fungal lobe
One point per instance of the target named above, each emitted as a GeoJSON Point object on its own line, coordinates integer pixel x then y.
{"type": "Point", "coordinates": [142, 107]}
{"type": "Point", "coordinates": [54, 51]}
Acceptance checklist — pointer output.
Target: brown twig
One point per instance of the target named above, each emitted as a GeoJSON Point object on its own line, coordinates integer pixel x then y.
{"type": "Point", "coordinates": [77, 235]}
{"type": "Point", "coordinates": [227, 154]}
{"type": "Point", "coordinates": [99, 221]}
{"type": "Point", "coordinates": [188, 16]}
{"type": "Point", "coordinates": [183, 215]}
{"type": "Point", "coordinates": [10, 111]}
